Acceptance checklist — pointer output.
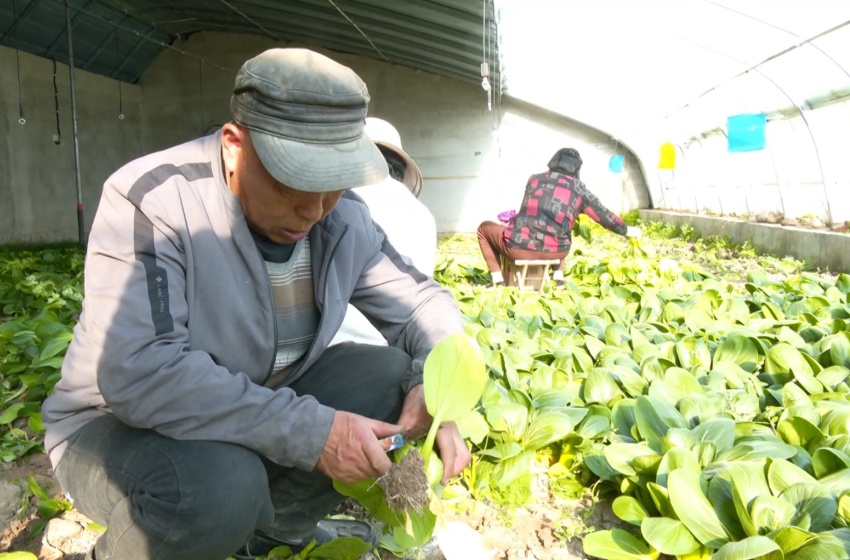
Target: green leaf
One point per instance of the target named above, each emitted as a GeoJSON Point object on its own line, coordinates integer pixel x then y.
{"type": "Point", "coordinates": [11, 413]}
{"type": "Point", "coordinates": [844, 507]}
{"type": "Point", "coordinates": [546, 427]}
{"type": "Point", "coordinates": [790, 539]}
{"type": "Point", "coordinates": [782, 474]}
{"type": "Point", "coordinates": [594, 427]}
{"type": "Point", "coordinates": [692, 507]}
{"type": "Point", "coordinates": [833, 375]}
{"type": "Point", "coordinates": [720, 495]}
{"type": "Point", "coordinates": [514, 468]}
{"type": "Point", "coordinates": [838, 346]}
{"type": "Point", "coordinates": [600, 387]}
{"type": "Point", "coordinates": [720, 432]}
{"type": "Point", "coordinates": [415, 531]}
{"type": "Point", "coordinates": [633, 384]}
{"type": "Point", "coordinates": [623, 417]}
{"type": "Point", "coordinates": [372, 497]}
{"type": "Point", "coordinates": [661, 498]}
{"type": "Point", "coordinates": [55, 345]}
{"type": "Point", "coordinates": [48, 509]}
{"type": "Point", "coordinates": [616, 545]}
{"type": "Point", "coordinates": [678, 437]}
{"type": "Point", "coordinates": [826, 461]}
{"type": "Point", "coordinates": [836, 422]}
{"type": "Point", "coordinates": [800, 432]}
{"type": "Point", "coordinates": [473, 427]}
{"type": "Point", "coordinates": [676, 458]}
{"type": "Point", "coordinates": [35, 489]}
{"type": "Point", "coordinates": [842, 282]}
{"type": "Point", "coordinates": [621, 456]}
{"type": "Point", "coordinates": [784, 358]}
{"type": "Point", "coordinates": [816, 501]}
{"type": "Point", "coordinates": [629, 510]}
{"type": "Point", "coordinates": [454, 378]}
{"type": "Point", "coordinates": [345, 548]}
{"type": "Point", "coordinates": [748, 483]}
{"type": "Point", "coordinates": [823, 547]}
{"type": "Point", "coordinates": [769, 513]}
{"type": "Point", "coordinates": [740, 350]}
{"type": "Point", "coordinates": [654, 417]}
{"type": "Point", "coordinates": [753, 450]}
{"type": "Point", "coordinates": [668, 536]}
{"type": "Point", "coordinates": [838, 482]}
{"type": "Point", "coordinates": [751, 548]}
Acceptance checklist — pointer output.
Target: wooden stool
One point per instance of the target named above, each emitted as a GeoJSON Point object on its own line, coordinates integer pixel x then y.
{"type": "Point", "coordinates": [528, 274]}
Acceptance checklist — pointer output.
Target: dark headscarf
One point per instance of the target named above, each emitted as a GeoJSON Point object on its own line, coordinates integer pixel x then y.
{"type": "Point", "coordinates": [566, 160]}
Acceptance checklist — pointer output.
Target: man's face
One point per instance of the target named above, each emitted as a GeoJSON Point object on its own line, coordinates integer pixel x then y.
{"type": "Point", "coordinates": [272, 209]}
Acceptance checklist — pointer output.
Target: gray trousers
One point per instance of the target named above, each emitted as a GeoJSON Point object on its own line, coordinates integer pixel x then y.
{"type": "Point", "coordinates": [162, 498]}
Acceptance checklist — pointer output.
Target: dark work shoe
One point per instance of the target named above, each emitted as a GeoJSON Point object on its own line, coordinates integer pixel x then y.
{"type": "Point", "coordinates": [326, 531]}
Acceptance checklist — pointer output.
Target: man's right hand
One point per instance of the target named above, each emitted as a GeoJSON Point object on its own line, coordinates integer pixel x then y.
{"type": "Point", "coordinates": [352, 452]}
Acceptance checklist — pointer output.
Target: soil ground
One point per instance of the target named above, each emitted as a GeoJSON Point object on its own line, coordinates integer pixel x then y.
{"type": "Point", "coordinates": [547, 528]}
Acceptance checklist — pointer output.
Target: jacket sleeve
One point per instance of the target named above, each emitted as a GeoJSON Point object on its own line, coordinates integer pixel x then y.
{"type": "Point", "coordinates": [600, 214]}
{"type": "Point", "coordinates": [137, 340]}
{"type": "Point", "coordinates": [411, 310]}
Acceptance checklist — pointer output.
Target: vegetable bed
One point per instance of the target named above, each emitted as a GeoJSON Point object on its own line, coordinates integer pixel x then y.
{"type": "Point", "coordinates": [697, 387]}
{"type": "Point", "coordinates": [706, 394]}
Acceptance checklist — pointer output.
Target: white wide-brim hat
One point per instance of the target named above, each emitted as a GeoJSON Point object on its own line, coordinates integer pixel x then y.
{"type": "Point", "coordinates": [385, 135]}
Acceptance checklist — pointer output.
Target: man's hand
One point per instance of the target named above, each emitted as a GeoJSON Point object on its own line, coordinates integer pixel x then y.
{"type": "Point", "coordinates": [413, 411]}
{"type": "Point", "coordinates": [352, 452]}
{"type": "Point", "coordinates": [452, 448]}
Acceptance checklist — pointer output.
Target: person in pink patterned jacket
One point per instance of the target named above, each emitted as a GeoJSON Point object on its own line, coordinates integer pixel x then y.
{"type": "Point", "coordinates": [542, 228]}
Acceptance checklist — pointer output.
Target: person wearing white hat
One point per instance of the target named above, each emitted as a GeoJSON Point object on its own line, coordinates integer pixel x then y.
{"type": "Point", "coordinates": [407, 223]}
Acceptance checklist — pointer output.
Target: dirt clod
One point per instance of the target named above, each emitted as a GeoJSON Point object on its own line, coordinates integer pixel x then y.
{"type": "Point", "coordinates": [406, 484]}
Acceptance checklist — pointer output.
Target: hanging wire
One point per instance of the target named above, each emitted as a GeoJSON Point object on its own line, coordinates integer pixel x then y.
{"type": "Point", "coordinates": [120, 94]}
{"type": "Point", "coordinates": [788, 31]}
{"type": "Point", "coordinates": [57, 136]}
{"type": "Point", "coordinates": [146, 38]}
{"type": "Point", "coordinates": [201, 91]}
{"type": "Point", "coordinates": [485, 65]}
{"type": "Point", "coordinates": [250, 20]}
{"type": "Point", "coordinates": [377, 50]}
{"type": "Point", "coordinates": [21, 119]}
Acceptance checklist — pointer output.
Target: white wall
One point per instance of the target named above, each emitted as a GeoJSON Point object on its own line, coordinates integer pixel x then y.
{"type": "Point", "coordinates": [471, 171]}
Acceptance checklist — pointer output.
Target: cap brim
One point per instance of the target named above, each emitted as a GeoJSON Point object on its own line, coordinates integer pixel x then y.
{"type": "Point", "coordinates": [315, 167]}
{"type": "Point", "coordinates": [412, 174]}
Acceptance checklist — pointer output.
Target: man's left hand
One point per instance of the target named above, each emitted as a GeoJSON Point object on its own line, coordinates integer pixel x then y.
{"type": "Point", "coordinates": [452, 448]}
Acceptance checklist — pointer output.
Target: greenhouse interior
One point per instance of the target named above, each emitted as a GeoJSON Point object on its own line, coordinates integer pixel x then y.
{"type": "Point", "coordinates": [577, 274]}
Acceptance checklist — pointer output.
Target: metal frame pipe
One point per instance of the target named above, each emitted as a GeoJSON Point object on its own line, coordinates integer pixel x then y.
{"type": "Point", "coordinates": [81, 225]}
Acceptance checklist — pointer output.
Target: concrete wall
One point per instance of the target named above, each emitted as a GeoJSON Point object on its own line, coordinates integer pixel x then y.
{"type": "Point", "coordinates": [37, 176]}
{"type": "Point", "coordinates": [824, 249]}
{"type": "Point", "coordinates": [475, 162]}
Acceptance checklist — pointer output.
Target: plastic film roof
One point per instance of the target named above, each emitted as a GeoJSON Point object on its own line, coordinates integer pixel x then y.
{"type": "Point", "coordinates": [624, 66]}
{"type": "Point", "coordinates": [120, 38]}
{"type": "Point", "coordinates": [670, 68]}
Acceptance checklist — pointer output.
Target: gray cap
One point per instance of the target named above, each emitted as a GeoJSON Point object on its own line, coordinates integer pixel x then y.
{"type": "Point", "coordinates": [306, 115]}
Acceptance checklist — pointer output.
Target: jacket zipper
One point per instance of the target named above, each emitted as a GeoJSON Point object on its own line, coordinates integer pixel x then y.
{"type": "Point", "coordinates": [326, 264]}
{"type": "Point", "coordinates": [270, 370]}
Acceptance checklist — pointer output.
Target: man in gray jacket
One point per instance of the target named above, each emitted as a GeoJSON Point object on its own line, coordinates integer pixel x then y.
{"type": "Point", "coordinates": [200, 407]}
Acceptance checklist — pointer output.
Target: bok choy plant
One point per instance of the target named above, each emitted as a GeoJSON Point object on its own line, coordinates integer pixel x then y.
{"type": "Point", "coordinates": [454, 379]}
